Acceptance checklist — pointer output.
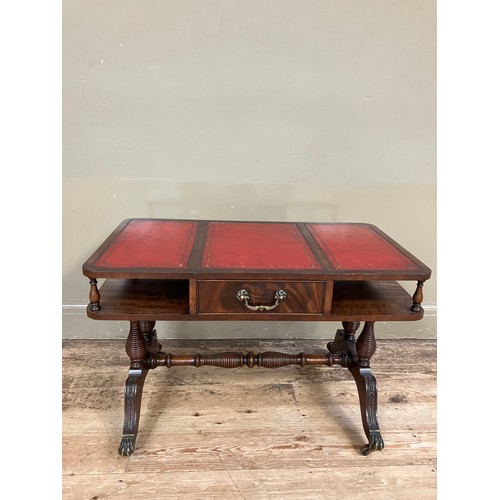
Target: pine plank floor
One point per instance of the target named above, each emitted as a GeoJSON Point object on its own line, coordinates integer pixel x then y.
{"type": "Point", "coordinates": [213, 433]}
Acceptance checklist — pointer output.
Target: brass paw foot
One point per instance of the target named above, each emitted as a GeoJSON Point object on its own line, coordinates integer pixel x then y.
{"type": "Point", "coordinates": [376, 443]}
{"type": "Point", "coordinates": [127, 445]}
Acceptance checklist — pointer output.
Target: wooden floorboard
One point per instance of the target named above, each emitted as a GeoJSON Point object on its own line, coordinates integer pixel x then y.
{"type": "Point", "coordinates": [245, 433]}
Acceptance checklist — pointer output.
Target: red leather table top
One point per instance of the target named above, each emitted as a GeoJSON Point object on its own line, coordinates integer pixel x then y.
{"type": "Point", "coordinates": [256, 245]}
{"type": "Point", "coordinates": [198, 246]}
{"type": "Point", "coordinates": [358, 247]}
{"type": "Point", "coordinates": [151, 243]}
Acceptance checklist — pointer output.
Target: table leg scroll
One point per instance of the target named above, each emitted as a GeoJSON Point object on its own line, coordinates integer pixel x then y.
{"type": "Point", "coordinates": [136, 348]}
{"type": "Point", "coordinates": [367, 391]}
{"type": "Point", "coordinates": [359, 353]}
{"type": "Point", "coordinates": [367, 387]}
{"type": "Point", "coordinates": [133, 397]}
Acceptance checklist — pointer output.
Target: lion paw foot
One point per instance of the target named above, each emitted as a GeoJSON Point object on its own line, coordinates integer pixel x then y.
{"type": "Point", "coordinates": [376, 443]}
{"type": "Point", "coordinates": [127, 445]}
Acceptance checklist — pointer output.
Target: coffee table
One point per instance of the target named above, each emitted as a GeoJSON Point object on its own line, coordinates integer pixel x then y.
{"type": "Point", "coordinates": [194, 270]}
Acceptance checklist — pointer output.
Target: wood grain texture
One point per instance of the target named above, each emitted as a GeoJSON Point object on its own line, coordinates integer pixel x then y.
{"type": "Point", "coordinates": [219, 297]}
{"type": "Point", "coordinates": [372, 301]}
{"type": "Point", "coordinates": [209, 433]}
{"type": "Point", "coordinates": [142, 299]}
{"type": "Point", "coordinates": [173, 300]}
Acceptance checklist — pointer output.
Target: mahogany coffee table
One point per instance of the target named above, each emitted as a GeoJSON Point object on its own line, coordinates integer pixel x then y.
{"type": "Point", "coordinates": [190, 270]}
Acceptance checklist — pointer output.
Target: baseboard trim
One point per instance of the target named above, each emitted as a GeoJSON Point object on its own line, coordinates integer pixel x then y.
{"type": "Point", "coordinates": [76, 325]}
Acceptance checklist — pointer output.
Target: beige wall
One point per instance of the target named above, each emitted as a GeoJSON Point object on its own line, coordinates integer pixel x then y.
{"type": "Point", "coordinates": [307, 110]}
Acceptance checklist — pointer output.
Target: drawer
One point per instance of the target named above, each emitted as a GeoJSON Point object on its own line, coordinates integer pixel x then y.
{"type": "Point", "coordinates": [221, 297]}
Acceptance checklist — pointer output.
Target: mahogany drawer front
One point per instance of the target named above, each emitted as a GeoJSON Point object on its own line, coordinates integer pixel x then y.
{"type": "Point", "coordinates": [220, 296]}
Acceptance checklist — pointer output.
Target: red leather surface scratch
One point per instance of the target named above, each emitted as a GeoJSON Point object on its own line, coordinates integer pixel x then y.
{"type": "Point", "coordinates": [358, 247]}
{"type": "Point", "coordinates": [254, 245]}
{"type": "Point", "coordinates": [151, 243]}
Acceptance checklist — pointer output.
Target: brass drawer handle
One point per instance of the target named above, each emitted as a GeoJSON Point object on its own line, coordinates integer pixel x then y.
{"type": "Point", "coordinates": [243, 296]}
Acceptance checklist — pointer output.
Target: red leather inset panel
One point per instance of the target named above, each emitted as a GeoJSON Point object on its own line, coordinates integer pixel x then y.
{"type": "Point", "coordinates": [254, 245]}
{"type": "Point", "coordinates": [358, 247]}
{"type": "Point", "coordinates": [151, 243]}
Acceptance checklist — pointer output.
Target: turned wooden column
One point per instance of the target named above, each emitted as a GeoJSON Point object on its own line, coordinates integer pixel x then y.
{"type": "Point", "coordinates": [366, 344]}
{"type": "Point", "coordinates": [136, 346]}
{"type": "Point", "coordinates": [418, 296]}
{"type": "Point", "coordinates": [94, 295]}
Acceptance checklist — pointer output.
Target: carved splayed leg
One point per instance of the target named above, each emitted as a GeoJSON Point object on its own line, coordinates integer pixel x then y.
{"type": "Point", "coordinates": [136, 349]}
{"type": "Point", "coordinates": [133, 397]}
{"type": "Point", "coordinates": [367, 390]}
{"type": "Point", "coordinates": [367, 387]}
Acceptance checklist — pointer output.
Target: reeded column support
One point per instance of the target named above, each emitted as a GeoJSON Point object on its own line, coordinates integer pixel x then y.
{"type": "Point", "coordinates": [366, 344]}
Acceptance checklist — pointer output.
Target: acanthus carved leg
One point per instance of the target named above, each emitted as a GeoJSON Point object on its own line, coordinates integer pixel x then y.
{"type": "Point", "coordinates": [136, 348]}
{"type": "Point", "coordinates": [133, 396]}
{"type": "Point", "coordinates": [367, 387]}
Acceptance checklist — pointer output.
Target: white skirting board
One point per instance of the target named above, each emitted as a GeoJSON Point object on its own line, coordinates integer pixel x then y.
{"type": "Point", "coordinates": [76, 325]}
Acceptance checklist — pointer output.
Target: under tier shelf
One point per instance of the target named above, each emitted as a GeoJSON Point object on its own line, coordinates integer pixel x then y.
{"type": "Point", "coordinates": [144, 299]}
